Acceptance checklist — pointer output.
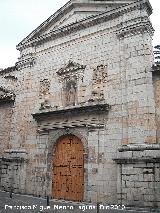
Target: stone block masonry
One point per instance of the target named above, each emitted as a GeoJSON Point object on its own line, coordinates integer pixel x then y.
{"type": "Point", "coordinates": [139, 181]}
{"type": "Point", "coordinates": [90, 79]}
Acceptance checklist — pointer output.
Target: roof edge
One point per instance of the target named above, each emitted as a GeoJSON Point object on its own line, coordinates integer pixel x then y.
{"type": "Point", "coordinates": [68, 6]}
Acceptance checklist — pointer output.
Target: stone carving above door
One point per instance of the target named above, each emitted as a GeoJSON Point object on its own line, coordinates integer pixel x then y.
{"type": "Point", "coordinates": [69, 76]}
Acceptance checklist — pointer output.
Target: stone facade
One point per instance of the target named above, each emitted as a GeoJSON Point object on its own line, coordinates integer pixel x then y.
{"type": "Point", "coordinates": [86, 71]}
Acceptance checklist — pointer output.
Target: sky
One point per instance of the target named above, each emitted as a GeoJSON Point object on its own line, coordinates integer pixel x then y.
{"type": "Point", "coordinates": [18, 18]}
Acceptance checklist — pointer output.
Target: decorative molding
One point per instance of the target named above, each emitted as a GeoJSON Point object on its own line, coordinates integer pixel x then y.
{"type": "Point", "coordinates": [25, 61]}
{"type": "Point", "coordinates": [65, 112]}
{"type": "Point", "coordinates": [33, 40]}
{"type": "Point", "coordinates": [18, 156]}
{"type": "Point", "coordinates": [71, 71]}
{"type": "Point", "coordinates": [10, 77]}
{"type": "Point", "coordinates": [144, 25]}
{"type": "Point", "coordinates": [72, 125]}
{"type": "Point", "coordinates": [91, 117]}
{"type": "Point", "coordinates": [8, 70]}
{"type": "Point", "coordinates": [137, 160]}
{"type": "Point", "coordinates": [137, 147]}
{"type": "Point", "coordinates": [6, 95]}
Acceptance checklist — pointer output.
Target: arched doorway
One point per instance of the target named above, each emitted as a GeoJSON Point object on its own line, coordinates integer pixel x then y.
{"type": "Point", "coordinates": [68, 169]}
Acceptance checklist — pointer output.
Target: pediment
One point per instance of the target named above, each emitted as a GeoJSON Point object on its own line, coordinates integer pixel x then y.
{"type": "Point", "coordinates": [73, 12]}
{"type": "Point", "coordinates": [70, 67]}
{"type": "Point", "coordinates": [6, 95]}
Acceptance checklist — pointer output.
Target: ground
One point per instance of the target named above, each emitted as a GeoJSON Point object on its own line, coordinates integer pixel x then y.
{"type": "Point", "coordinates": [37, 205]}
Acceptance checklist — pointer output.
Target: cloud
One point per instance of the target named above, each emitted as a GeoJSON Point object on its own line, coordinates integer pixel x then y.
{"type": "Point", "coordinates": [8, 57]}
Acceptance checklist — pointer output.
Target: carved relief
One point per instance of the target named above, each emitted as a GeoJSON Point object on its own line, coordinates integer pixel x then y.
{"type": "Point", "coordinates": [45, 105]}
{"type": "Point", "coordinates": [100, 74]}
{"type": "Point", "coordinates": [71, 93]}
{"type": "Point", "coordinates": [99, 78]}
{"type": "Point", "coordinates": [44, 87]}
{"type": "Point", "coordinates": [44, 93]}
{"type": "Point", "coordinates": [69, 76]}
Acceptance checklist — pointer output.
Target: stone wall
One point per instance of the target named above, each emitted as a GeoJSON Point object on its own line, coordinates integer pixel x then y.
{"type": "Point", "coordinates": [13, 171]}
{"type": "Point", "coordinates": [5, 126]}
{"type": "Point", "coordinates": [156, 82]}
{"type": "Point", "coordinates": [139, 176]}
{"type": "Point", "coordinates": [124, 55]}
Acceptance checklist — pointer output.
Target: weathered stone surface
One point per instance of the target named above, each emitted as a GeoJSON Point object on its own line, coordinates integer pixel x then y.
{"type": "Point", "coordinates": [91, 79]}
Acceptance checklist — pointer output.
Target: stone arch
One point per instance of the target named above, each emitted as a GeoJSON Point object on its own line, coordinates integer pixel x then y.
{"type": "Point", "coordinates": [54, 138]}
{"type": "Point", "coordinates": [61, 133]}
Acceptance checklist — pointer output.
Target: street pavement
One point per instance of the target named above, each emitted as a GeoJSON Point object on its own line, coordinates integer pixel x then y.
{"type": "Point", "coordinates": [29, 204]}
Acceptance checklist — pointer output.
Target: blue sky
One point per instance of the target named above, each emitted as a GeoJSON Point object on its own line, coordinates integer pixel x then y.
{"type": "Point", "coordinates": [19, 17]}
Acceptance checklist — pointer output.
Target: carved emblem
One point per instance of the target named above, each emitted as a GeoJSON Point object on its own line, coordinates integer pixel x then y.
{"type": "Point", "coordinates": [69, 76]}
{"type": "Point", "coordinates": [99, 78]}
{"type": "Point", "coordinates": [100, 74]}
{"type": "Point", "coordinates": [44, 87]}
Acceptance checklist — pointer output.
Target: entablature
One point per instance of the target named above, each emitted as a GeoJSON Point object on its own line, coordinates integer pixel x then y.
{"type": "Point", "coordinates": [8, 70]}
{"type": "Point", "coordinates": [89, 115]}
{"type": "Point", "coordinates": [6, 95]}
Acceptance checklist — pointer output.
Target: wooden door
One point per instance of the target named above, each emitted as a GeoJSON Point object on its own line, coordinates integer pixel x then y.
{"type": "Point", "coordinates": [68, 169]}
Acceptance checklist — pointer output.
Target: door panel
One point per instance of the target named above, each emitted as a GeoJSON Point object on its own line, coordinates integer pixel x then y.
{"type": "Point", "coordinates": [68, 169]}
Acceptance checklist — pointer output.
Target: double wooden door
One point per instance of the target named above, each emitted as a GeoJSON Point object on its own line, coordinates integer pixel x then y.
{"type": "Point", "coordinates": [68, 169]}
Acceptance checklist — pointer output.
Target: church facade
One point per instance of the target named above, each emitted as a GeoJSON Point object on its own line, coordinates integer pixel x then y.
{"type": "Point", "coordinates": [80, 110]}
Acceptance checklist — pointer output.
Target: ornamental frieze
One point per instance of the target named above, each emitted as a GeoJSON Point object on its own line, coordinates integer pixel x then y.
{"type": "Point", "coordinates": [141, 26]}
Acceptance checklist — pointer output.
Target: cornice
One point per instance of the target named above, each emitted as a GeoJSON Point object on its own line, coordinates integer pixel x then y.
{"type": "Point", "coordinates": [25, 61]}
{"type": "Point", "coordinates": [137, 160]}
{"type": "Point", "coordinates": [6, 95]}
{"type": "Point", "coordinates": [100, 107]}
{"type": "Point", "coordinates": [139, 147]}
{"type": "Point", "coordinates": [143, 25]}
{"type": "Point", "coordinates": [8, 70]}
{"type": "Point", "coordinates": [19, 155]}
{"type": "Point", "coordinates": [35, 33]}
{"type": "Point", "coordinates": [64, 10]}
{"type": "Point", "coordinates": [85, 23]}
